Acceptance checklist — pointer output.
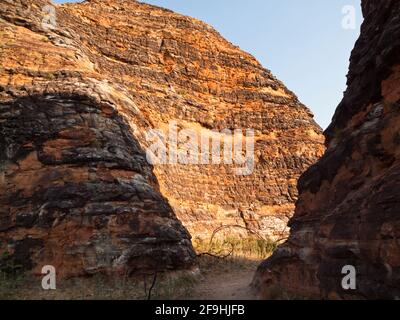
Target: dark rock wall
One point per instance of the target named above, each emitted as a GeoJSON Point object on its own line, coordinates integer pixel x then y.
{"type": "Point", "coordinates": [348, 212]}
{"type": "Point", "coordinates": [78, 193]}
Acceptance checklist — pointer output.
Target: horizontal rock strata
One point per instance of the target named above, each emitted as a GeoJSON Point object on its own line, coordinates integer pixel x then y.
{"type": "Point", "coordinates": [82, 84]}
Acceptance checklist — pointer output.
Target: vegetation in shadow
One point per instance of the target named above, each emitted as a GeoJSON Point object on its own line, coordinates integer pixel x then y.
{"type": "Point", "coordinates": [225, 257]}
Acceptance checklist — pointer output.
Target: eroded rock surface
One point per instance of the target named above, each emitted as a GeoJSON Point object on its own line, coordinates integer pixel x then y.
{"type": "Point", "coordinates": [80, 90]}
{"type": "Point", "coordinates": [348, 211]}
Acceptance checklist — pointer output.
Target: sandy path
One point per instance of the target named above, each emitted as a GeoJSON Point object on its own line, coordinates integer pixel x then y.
{"type": "Point", "coordinates": [233, 285]}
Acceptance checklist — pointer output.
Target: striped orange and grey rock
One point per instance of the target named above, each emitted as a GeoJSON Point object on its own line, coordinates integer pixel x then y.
{"type": "Point", "coordinates": [77, 100]}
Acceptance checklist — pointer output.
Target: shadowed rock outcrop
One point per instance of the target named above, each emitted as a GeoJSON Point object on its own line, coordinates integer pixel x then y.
{"type": "Point", "coordinates": [82, 84]}
{"type": "Point", "coordinates": [348, 213]}
{"type": "Point", "coordinates": [78, 193]}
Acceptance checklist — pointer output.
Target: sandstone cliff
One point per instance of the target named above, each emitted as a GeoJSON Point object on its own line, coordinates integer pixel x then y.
{"type": "Point", "coordinates": [81, 86]}
{"type": "Point", "coordinates": [348, 209]}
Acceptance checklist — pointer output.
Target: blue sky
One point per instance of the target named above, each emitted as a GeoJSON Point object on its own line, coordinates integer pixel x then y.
{"type": "Point", "coordinates": [301, 41]}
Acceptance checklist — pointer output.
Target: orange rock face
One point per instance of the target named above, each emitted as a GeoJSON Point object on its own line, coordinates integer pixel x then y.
{"type": "Point", "coordinates": [84, 86]}
{"type": "Point", "coordinates": [348, 209]}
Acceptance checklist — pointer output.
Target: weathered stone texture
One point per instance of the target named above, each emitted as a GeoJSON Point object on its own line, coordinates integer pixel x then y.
{"type": "Point", "coordinates": [348, 209]}
{"type": "Point", "coordinates": [76, 102]}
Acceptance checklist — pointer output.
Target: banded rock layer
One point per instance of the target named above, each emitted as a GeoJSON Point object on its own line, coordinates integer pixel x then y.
{"type": "Point", "coordinates": [348, 213]}
{"type": "Point", "coordinates": [80, 91]}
